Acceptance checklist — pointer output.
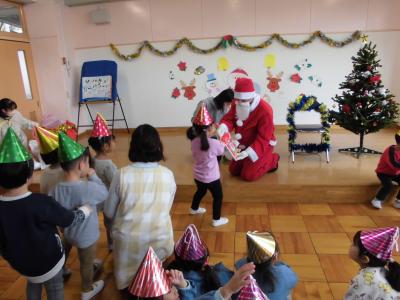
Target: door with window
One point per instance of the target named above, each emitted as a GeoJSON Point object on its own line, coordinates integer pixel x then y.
{"type": "Point", "coordinates": [17, 75]}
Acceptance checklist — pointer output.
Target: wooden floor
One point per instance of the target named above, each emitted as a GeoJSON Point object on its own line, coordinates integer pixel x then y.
{"type": "Point", "coordinates": [314, 240]}
{"type": "Point", "coordinates": [309, 179]}
{"type": "Point", "coordinates": [314, 235]}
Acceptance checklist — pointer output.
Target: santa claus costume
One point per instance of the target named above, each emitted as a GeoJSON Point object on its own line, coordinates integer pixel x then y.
{"type": "Point", "coordinates": [252, 120]}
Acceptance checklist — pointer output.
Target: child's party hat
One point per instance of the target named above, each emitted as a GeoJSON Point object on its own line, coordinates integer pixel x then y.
{"type": "Point", "coordinates": [12, 150]}
{"type": "Point", "coordinates": [260, 246]}
{"type": "Point", "coordinates": [150, 279]}
{"type": "Point", "coordinates": [68, 149]}
{"type": "Point", "coordinates": [203, 117]}
{"type": "Point", "coordinates": [190, 246]}
{"type": "Point", "coordinates": [48, 140]}
{"type": "Point", "coordinates": [252, 291]}
{"type": "Point", "coordinates": [380, 241]}
{"type": "Point", "coordinates": [100, 128]}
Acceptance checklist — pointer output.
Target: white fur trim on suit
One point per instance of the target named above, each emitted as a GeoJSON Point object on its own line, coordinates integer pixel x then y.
{"type": "Point", "coordinates": [239, 123]}
{"type": "Point", "coordinates": [244, 96]}
{"type": "Point", "coordinates": [222, 129]}
{"type": "Point", "coordinates": [273, 142]}
{"type": "Point", "coordinates": [238, 136]}
{"type": "Point", "coordinates": [252, 154]}
{"type": "Point", "coordinates": [255, 102]}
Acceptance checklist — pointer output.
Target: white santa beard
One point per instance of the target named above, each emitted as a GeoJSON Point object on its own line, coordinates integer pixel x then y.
{"type": "Point", "coordinates": [242, 112]}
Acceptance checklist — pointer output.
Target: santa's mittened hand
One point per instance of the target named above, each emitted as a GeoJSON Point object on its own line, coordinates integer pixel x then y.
{"type": "Point", "coordinates": [86, 209]}
{"type": "Point", "coordinates": [242, 155]}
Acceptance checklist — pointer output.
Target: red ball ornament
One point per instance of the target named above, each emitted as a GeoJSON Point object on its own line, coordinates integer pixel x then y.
{"type": "Point", "coordinates": [375, 79]}
{"type": "Point", "coordinates": [346, 108]}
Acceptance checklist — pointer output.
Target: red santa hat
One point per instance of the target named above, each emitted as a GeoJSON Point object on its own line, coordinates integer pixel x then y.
{"type": "Point", "coordinates": [203, 117]}
{"type": "Point", "coordinates": [240, 71]}
{"type": "Point", "coordinates": [244, 89]}
{"type": "Point", "coordinates": [190, 246]}
{"type": "Point", "coordinates": [252, 291]}
{"type": "Point", "coordinates": [151, 279]}
{"type": "Point", "coordinates": [100, 128]}
{"type": "Point", "coordinates": [380, 241]}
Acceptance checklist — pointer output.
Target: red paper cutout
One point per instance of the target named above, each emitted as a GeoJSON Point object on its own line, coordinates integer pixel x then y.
{"type": "Point", "coordinates": [189, 93]}
{"type": "Point", "coordinates": [175, 93]}
{"type": "Point", "coordinates": [296, 78]}
{"type": "Point", "coordinates": [182, 66]}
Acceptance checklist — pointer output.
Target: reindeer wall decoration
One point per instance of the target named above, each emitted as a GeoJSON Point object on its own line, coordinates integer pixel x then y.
{"type": "Point", "coordinates": [189, 93]}
{"type": "Point", "coordinates": [273, 81]}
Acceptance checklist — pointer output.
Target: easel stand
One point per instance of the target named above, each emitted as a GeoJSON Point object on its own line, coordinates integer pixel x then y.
{"type": "Point", "coordinates": [110, 121]}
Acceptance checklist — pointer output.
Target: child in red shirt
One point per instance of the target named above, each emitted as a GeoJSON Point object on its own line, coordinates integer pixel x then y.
{"type": "Point", "coordinates": [388, 170]}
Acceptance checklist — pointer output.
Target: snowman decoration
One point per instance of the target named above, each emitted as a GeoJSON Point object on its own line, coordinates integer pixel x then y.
{"type": "Point", "coordinates": [212, 85]}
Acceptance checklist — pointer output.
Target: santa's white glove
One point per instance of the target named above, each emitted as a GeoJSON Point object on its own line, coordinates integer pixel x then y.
{"type": "Point", "coordinates": [86, 209]}
{"type": "Point", "coordinates": [221, 130]}
{"type": "Point", "coordinates": [242, 155]}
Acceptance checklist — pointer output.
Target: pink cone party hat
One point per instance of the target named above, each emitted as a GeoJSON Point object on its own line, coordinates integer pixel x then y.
{"type": "Point", "coordinates": [100, 128]}
{"type": "Point", "coordinates": [190, 246]}
{"type": "Point", "coordinates": [150, 279]}
{"type": "Point", "coordinates": [380, 241]}
{"type": "Point", "coordinates": [252, 292]}
{"type": "Point", "coordinates": [203, 117]}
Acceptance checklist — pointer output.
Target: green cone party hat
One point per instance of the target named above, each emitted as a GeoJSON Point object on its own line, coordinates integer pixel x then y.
{"type": "Point", "coordinates": [68, 149]}
{"type": "Point", "coordinates": [12, 150]}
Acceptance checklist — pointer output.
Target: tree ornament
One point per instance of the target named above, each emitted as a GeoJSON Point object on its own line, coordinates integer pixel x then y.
{"type": "Point", "coordinates": [346, 108]}
{"type": "Point", "coordinates": [375, 79]}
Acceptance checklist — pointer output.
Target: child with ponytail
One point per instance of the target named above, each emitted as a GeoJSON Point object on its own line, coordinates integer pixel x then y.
{"type": "Point", "coordinates": [205, 151]}
{"type": "Point", "coordinates": [379, 277]}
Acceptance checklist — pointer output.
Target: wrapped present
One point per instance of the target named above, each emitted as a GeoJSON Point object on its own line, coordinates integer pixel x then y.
{"type": "Point", "coordinates": [230, 144]}
{"type": "Point", "coordinates": [68, 128]}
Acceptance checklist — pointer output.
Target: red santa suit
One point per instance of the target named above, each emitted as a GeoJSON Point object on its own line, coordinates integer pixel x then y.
{"type": "Point", "coordinates": [255, 134]}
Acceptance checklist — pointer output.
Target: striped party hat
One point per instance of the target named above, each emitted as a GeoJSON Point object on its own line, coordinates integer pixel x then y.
{"type": "Point", "coordinates": [100, 128]}
{"type": "Point", "coordinates": [380, 241]}
{"type": "Point", "coordinates": [203, 117]}
{"type": "Point", "coordinates": [190, 246]}
{"type": "Point", "coordinates": [252, 292]}
{"type": "Point", "coordinates": [150, 279]}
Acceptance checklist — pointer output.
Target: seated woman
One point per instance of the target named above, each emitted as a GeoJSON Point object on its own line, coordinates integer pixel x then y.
{"type": "Point", "coordinates": [275, 278]}
{"type": "Point", "coordinates": [139, 204]}
{"type": "Point", "coordinates": [191, 257]}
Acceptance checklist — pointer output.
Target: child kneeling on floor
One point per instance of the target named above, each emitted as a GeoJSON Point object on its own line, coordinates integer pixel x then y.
{"type": "Point", "coordinates": [29, 239]}
{"type": "Point", "coordinates": [388, 170]}
{"type": "Point", "coordinates": [74, 159]}
{"type": "Point", "coordinates": [379, 277]}
{"type": "Point", "coordinates": [205, 151]}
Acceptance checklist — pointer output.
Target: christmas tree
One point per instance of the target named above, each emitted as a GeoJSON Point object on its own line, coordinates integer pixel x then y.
{"type": "Point", "coordinates": [365, 106]}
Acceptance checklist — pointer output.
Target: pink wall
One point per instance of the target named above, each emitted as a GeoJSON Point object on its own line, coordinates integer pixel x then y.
{"type": "Point", "coordinates": [56, 30]}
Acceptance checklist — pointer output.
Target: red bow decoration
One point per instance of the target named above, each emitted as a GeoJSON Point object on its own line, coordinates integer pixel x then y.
{"type": "Point", "coordinates": [227, 40]}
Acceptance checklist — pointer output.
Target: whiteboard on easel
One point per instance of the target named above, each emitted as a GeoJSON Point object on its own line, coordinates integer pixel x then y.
{"type": "Point", "coordinates": [96, 87]}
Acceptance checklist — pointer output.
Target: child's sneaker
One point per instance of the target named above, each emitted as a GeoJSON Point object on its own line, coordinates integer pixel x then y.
{"type": "Point", "coordinates": [396, 203]}
{"type": "Point", "coordinates": [221, 221]}
{"type": "Point", "coordinates": [199, 211]}
{"type": "Point", "coordinates": [376, 203]}
{"type": "Point", "coordinates": [97, 287]}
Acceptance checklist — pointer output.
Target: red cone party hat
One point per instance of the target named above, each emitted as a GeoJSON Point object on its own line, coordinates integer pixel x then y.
{"type": "Point", "coordinates": [244, 89]}
{"type": "Point", "coordinates": [380, 241]}
{"type": "Point", "coordinates": [190, 246]}
{"type": "Point", "coordinates": [100, 128]}
{"type": "Point", "coordinates": [251, 292]}
{"type": "Point", "coordinates": [150, 279]}
{"type": "Point", "coordinates": [203, 117]}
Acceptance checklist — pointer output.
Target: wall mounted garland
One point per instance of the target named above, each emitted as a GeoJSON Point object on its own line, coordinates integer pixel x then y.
{"type": "Point", "coordinates": [308, 103]}
{"type": "Point", "coordinates": [229, 40]}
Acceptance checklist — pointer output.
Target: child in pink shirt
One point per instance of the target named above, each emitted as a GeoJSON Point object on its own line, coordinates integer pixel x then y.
{"type": "Point", "coordinates": [206, 169]}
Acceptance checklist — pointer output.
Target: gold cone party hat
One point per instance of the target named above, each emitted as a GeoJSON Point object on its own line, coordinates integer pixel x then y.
{"type": "Point", "coordinates": [48, 140]}
{"type": "Point", "coordinates": [12, 150]}
{"type": "Point", "coordinates": [68, 149]}
{"type": "Point", "coordinates": [260, 246]}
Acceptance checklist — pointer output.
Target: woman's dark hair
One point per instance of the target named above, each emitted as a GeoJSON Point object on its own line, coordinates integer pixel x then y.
{"type": "Point", "coordinates": [201, 131]}
{"type": "Point", "coordinates": [6, 104]}
{"type": "Point", "coordinates": [14, 175]}
{"type": "Point", "coordinates": [226, 96]}
{"type": "Point", "coordinates": [264, 273]}
{"type": "Point", "coordinates": [70, 165]}
{"type": "Point", "coordinates": [97, 143]}
{"type": "Point", "coordinates": [210, 277]}
{"type": "Point", "coordinates": [393, 274]}
{"type": "Point", "coordinates": [50, 158]}
{"type": "Point", "coordinates": [146, 145]}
